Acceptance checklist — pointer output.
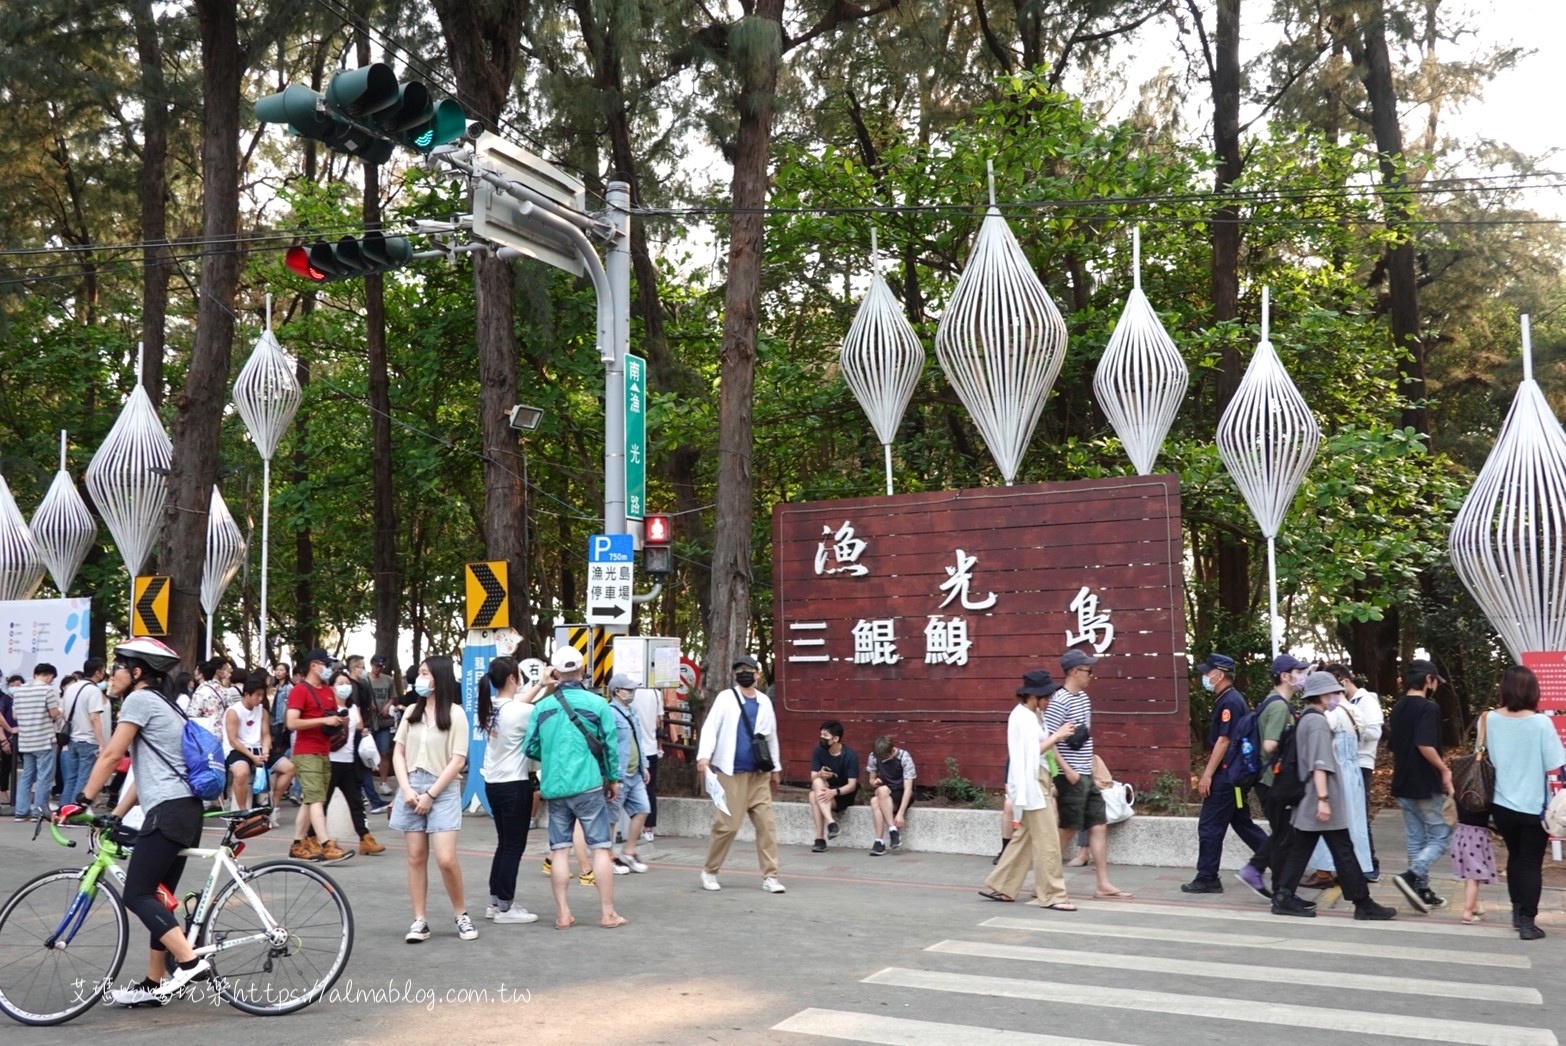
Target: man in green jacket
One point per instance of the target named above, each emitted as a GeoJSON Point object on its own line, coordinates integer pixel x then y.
{"type": "Point", "coordinates": [575, 742]}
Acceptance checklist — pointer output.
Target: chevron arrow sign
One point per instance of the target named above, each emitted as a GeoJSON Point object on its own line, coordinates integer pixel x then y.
{"type": "Point", "coordinates": [150, 607]}
{"type": "Point", "coordinates": [489, 601]}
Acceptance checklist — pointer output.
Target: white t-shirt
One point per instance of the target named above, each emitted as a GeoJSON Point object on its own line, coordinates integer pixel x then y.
{"type": "Point", "coordinates": [648, 704]}
{"type": "Point", "coordinates": [251, 723]}
{"type": "Point", "coordinates": [503, 758]}
{"type": "Point", "coordinates": [88, 699]}
{"type": "Point", "coordinates": [348, 752]}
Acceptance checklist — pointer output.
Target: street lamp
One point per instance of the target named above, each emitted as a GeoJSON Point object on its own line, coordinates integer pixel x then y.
{"type": "Point", "coordinates": [525, 418]}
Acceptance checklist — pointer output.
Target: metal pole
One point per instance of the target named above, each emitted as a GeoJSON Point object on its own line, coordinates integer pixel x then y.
{"type": "Point", "coordinates": [888, 448]}
{"type": "Point", "coordinates": [618, 267]}
{"type": "Point", "coordinates": [266, 533]}
{"type": "Point", "coordinates": [1272, 593]}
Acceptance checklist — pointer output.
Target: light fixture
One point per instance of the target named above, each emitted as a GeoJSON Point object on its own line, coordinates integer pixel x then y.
{"type": "Point", "coordinates": [524, 418]}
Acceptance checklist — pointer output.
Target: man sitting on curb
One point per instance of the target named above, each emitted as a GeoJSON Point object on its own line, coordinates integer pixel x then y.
{"type": "Point", "coordinates": [834, 781]}
{"type": "Point", "coordinates": [891, 773]}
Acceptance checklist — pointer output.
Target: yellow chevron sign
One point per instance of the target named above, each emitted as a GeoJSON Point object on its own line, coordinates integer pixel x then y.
{"type": "Point", "coordinates": [150, 605]}
{"type": "Point", "coordinates": [489, 598]}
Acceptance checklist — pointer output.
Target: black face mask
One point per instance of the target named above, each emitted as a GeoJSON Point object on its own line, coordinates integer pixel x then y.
{"type": "Point", "coordinates": [745, 678]}
{"type": "Point", "coordinates": [825, 743]}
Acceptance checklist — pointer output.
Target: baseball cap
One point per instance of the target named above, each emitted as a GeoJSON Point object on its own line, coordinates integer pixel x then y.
{"type": "Point", "coordinates": [1216, 660]}
{"type": "Point", "coordinates": [1287, 663]}
{"type": "Point", "coordinates": [566, 658]}
{"type": "Point", "coordinates": [1423, 667]}
{"type": "Point", "coordinates": [745, 661]}
{"type": "Point", "coordinates": [1318, 683]}
{"type": "Point", "coordinates": [379, 660]}
{"type": "Point", "coordinates": [621, 681]}
{"type": "Point", "coordinates": [318, 655]}
{"type": "Point", "coordinates": [1037, 683]}
{"type": "Point", "coordinates": [1075, 659]}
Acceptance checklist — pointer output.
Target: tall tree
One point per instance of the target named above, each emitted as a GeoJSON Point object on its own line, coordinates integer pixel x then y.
{"type": "Point", "coordinates": [154, 197]}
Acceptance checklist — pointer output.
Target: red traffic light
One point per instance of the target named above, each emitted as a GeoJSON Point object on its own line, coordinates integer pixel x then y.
{"type": "Point", "coordinates": [657, 530]}
{"type": "Point", "coordinates": [298, 260]}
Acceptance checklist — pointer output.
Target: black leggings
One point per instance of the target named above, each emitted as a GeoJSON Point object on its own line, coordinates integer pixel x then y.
{"type": "Point", "coordinates": [652, 792]}
{"type": "Point", "coordinates": [170, 827]}
{"type": "Point", "coordinates": [345, 779]}
{"type": "Point", "coordinates": [1525, 841]}
{"type": "Point", "coordinates": [511, 804]}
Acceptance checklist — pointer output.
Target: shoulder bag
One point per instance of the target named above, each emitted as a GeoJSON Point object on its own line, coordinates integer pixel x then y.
{"type": "Point", "coordinates": [594, 745]}
{"type": "Point", "coordinates": [760, 753]}
{"type": "Point", "coordinates": [1473, 776]}
{"type": "Point", "coordinates": [63, 735]}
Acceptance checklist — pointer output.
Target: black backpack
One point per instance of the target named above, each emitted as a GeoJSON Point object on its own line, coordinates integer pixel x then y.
{"type": "Point", "coordinates": [1288, 788]}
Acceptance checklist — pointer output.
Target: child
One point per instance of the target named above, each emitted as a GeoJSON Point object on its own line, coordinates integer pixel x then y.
{"type": "Point", "coordinates": [1473, 859]}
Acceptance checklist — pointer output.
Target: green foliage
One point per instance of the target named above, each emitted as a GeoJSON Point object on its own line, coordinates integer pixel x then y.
{"type": "Point", "coordinates": [958, 788]}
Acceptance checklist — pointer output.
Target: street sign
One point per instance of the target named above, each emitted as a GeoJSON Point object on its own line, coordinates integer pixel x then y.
{"type": "Point", "coordinates": [596, 647]}
{"type": "Point", "coordinates": [635, 437]}
{"type": "Point", "coordinates": [611, 568]}
{"type": "Point", "coordinates": [489, 602]}
{"type": "Point", "coordinates": [498, 217]}
{"type": "Point", "coordinates": [150, 606]}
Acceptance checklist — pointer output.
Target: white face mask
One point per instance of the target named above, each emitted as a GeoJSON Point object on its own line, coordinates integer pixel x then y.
{"type": "Point", "coordinates": [343, 689]}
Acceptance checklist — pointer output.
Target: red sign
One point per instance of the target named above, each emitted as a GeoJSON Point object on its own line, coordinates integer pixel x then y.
{"type": "Point", "coordinates": [915, 616]}
{"type": "Point", "coordinates": [1550, 668]}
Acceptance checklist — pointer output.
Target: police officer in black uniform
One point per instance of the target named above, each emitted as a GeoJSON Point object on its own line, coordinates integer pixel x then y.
{"type": "Point", "coordinates": [1224, 805]}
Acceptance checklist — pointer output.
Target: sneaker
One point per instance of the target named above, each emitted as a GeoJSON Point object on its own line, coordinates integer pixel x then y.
{"type": "Point", "coordinates": [877, 849]}
{"type": "Point", "coordinates": [275, 821]}
{"type": "Point", "coordinates": [465, 928]}
{"type": "Point", "coordinates": [331, 853]}
{"type": "Point", "coordinates": [1429, 896]}
{"type": "Point", "coordinates": [1200, 885]}
{"type": "Point", "coordinates": [143, 993]}
{"type": "Point", "coordinates": [369, 847]}
{"type": "Point", "coordinates": [419, 931]}
{"type": "Point", "coordinates": [1288, 904]}
{"type": "Point", "coordinates": [771, 885]}
{"type": "Point", "coordinates": [384, 788]}
{"type": "Point", "coordinates": [1254, 882]}
{"type": "Point", "coordinates": [490, 911]}
{"type": "Point", "coordinates": [587, 878]}
{"type": "Point", "coordinates": [818, 847]}
{"type": "Point", "coordinates": [1409, 886]}
{"type": "Point", "coordinates": [896, 838]}
{"type": "Point", "coordinates": [647, 836]}
{"type": "Point", "coordinates": [183, 975]}
{"type": "Point", "coordinates": [832, 829]}
{"type": "Point", "coordinates": [1528, 930]}
{"type": "Point", "coordinates": [548, 867]}
{"type": "Point", "coordinates": [1369, 911]}
{"type": "Point", "coordinates": [516, 915]}
{"type": "Point", "coordinates": [709, 881]}
{"type": "Point", "coordinates": [620, 867]}
{"type": "Point", "coordinates": [376, 809]}
{"type": "Point", "coordinates": [305, 850]}
{"type": "Point", "coordinates": [631, 863]}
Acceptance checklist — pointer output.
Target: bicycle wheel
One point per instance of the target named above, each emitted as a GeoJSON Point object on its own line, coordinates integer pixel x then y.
{"type": "Point", "coordinates": [42, 983]}
{"type": "Point", "coordinates": [267, 978]}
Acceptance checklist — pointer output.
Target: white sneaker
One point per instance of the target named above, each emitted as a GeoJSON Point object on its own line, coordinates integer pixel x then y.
{"type": "Point", "coordinates": [771, 885]}
{"type": "Point", "coordinates": [709, 881]}
{"type": "Point", "coordinates": [631, 864]}
{"type": "Point", "coordinates": [647, 836]}
{"type": "Point", "coordinates": [465, 927]}
{"type": "Point", "coordinates": [516, 915]}
{"type": "Point", "coordinates": [490, 911]}
{"type": "Point", "coordinates": [419, 931]}
{"type": "Point", "coordinates": [384, 789]}
{"type": "Point", "coordinates": [138, 994]}
{"type": "Point", "coordinates": [181, 977]}
{"type": "Point", "coordinates": [620, 867]}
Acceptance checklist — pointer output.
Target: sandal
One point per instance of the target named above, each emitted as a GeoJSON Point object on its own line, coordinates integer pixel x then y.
{"type": "Point", "coordinates": [995, 895]}
{"type": "Point", "coordinates": [617, 922]}
{"type": "Point", "coordinates": [1102, 896]}
{"type": "Point", "coordinates": [1060, 906]}
{"type": "Point", "coordinates": [566, 925]}
{"type": "Point", "coordinates": [1476, 916]}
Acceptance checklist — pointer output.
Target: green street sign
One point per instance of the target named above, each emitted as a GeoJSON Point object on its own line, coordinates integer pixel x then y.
{"type": "Point", "coordinates": [635, 437]}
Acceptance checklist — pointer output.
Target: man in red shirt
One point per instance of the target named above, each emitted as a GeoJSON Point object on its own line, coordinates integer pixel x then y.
{"type": "Point", "coordinates": [312, 715]}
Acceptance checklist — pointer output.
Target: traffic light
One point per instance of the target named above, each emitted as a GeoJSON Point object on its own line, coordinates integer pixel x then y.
{"type": "Point", "coordinates": [657, 553]}
{"type": "Point", "coordinates": [323, 261]}
{"type": "Point", "coordinates": [366, 112]}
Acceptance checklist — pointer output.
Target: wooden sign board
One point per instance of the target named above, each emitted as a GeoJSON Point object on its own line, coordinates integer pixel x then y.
{"type": "Point", "coordinates": [915, 616]}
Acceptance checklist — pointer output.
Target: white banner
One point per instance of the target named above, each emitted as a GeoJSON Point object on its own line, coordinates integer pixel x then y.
{"type": "Point", "coordinates": [51, 630]}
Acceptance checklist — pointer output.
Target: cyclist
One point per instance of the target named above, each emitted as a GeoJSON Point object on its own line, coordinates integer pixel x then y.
{"type": "Point", "coordinates": [151, 729]}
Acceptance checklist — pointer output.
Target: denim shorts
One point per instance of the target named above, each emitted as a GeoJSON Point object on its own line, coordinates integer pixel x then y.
{"type": "Point", "coordinates": [632, 799]}
{"type": "Point", "coordinates": [444, 816]}
{"type": "Point", "coordinates": [591, 808]}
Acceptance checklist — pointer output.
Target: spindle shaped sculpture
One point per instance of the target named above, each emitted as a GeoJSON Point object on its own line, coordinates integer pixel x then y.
{"type": "Point", "coordinates": [62, 527]}
{"type": "Point", "coordinates": [128, 478]}
{"type": "Point", "coordinates": [1267, 440]}
{"type": "Point", "coordinates": [1142, 378]}
{"type": "Point", "coordinates": [1001, 342]}
{"type": "Point", "coordinates": [881, 359]}
{"type": "Point", "coordinates": [225, 555]}
{"type": "Point", "coordinates": [21, 572]}
{"type": "Point", "coordinates": [1508, 542]}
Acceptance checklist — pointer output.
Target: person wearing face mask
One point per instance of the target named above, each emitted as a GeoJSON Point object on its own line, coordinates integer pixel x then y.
{"type": "Point", "coordinates": [312, 712]}
{"type": "Point", "coordinates": [1345, 724]}
{"type": "Point", "coordinates": [87, 709]}
{"type": "Point", "coordinates": [834, 781]}
{"type": "Point", "coordinates": [739, 743]}
{"type": "Point", "coordinates": [343, 760]}
{"type": "Point", "coordinates": [1274, 716]}
{"type": "Point", "coordinates": [1224, 804]}
{"type": "Point", "coordinates": [634, 745]}
{"type": "Point", "coordinates": [1421, 780]}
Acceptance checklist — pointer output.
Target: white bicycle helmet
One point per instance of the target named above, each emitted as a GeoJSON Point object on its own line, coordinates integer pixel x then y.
{"type": "Point", "coordinates": [155, 654]}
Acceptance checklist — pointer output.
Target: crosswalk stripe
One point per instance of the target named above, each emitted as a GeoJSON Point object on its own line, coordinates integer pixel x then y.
{"type": "Point", "coordinates": [1459, 957]}
{"type": "Point", "coordinates": [1362, 1022]}
{"type": "Point", "coordinates": [1237, 972]}
{"type": "Point", "coordinates": [899, 1031]}
{"type": "Point", "coordinates": [1398, 925]}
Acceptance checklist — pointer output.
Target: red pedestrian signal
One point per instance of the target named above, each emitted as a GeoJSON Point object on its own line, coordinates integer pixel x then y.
{"type": "Point", "coordinates": [657, 530]}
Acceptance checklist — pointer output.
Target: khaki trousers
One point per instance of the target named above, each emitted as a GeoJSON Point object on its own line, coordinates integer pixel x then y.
{"type": "Point", "coordinates": [1035, 844]}
{"type": "Point", "coordinates": [748, 794]}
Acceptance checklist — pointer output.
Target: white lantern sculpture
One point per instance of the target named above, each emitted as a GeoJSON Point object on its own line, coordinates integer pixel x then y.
{"type": "Point", "coordinates": [1001, 341]}
{"type": "Point", "coordinates": [266, 394]}
{"type": "Point", "coordinates": [21, 572]}
{"type": "Point", "coordinates": [1142, 378]}
{"type": "Point", "coordinates": [62, 527]}
{"type": "Point", "coordinates": [1267, 439]}
{"type": "Point", "coordinates": [881, 359]}
{"type": "Point", "coordinates": [128, 477]}
{"type": "Point", "coordinates": [225, 555]}
{"type": "Point", "coordinates": [1508, 542]}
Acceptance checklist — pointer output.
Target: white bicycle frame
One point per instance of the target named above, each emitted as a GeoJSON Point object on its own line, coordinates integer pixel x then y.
{"type": "Point", "coordinates": [222, 859]}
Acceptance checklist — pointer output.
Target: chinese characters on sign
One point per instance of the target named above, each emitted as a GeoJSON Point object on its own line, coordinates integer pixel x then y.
{"type": "Point", "coordinates": [1092, 624]}
{"type": "Point", "coordinates": [875, 642]}
{"type": "Point", "coordinates": [635, 437]}
{"type": "Point", "coordinates": [957, 580]}
{"type": "Point", "coordinates": [845, 551]}
{"type": "Point", "coordinates": [946, 640]}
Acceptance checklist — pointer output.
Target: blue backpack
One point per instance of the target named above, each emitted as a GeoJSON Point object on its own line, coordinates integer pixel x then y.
{"type": "Point", "coordinates": [205, 773]}
{"type": "Point", "coordinates": [1245, 767]}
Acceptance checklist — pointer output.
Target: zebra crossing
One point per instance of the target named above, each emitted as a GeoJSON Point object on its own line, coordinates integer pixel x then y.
{"type": "Point", "coordinates": [1137, 974]}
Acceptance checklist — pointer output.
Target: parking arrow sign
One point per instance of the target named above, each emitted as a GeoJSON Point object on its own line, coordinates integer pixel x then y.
{"type": "Point", "coordinates": [611, 570]}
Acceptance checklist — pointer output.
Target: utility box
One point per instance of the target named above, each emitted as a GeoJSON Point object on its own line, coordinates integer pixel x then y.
{"type": "Point", "coordinates": [653, 661]}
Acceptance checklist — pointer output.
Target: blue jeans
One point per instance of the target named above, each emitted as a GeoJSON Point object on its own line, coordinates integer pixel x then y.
{"type": "Point", "coordinates": [75, 767]}
{"type": "Point", "coordinates": [37, 781]}
{"type": "Point", "coordinates": [1425, 832]}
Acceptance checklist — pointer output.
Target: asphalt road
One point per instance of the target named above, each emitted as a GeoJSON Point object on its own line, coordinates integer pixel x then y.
{"type": "Point", "coordinates": [896, 950]}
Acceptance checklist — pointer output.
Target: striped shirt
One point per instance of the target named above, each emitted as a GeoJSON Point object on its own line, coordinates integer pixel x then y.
{"type": "Point", "coordinates": [30, 704]}
{"type": "Point", "coordinates": [1066, 707]}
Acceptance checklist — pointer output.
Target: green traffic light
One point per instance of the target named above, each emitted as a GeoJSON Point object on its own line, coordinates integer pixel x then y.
{"type": "Point", "coordinates": [448, 123]}
{"type": "Point", "coordinates": [298, 108]}
{"type": "Point", "coordinates": [360, 92]}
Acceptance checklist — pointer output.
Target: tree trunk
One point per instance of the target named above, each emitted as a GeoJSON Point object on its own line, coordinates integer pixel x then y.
{"type": "Point", "coordinates": [154, 199]}
{"type": "Point", "coordinates": [199, 416]}
{"type": "Point", "coordinates": [757, 44]}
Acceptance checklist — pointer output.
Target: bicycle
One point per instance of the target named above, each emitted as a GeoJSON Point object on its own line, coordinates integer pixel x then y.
{"type": "Point", "coordinates": [277, 935]}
